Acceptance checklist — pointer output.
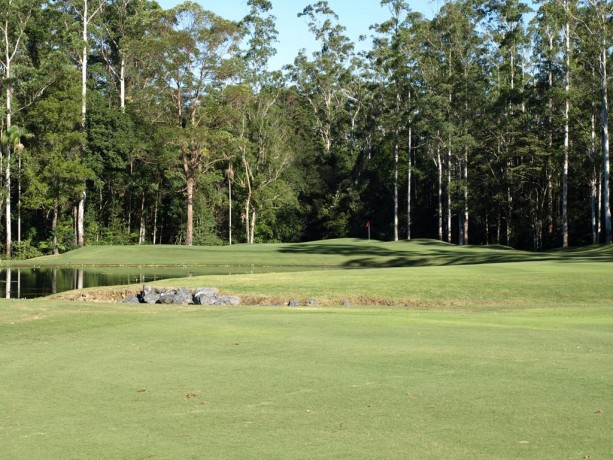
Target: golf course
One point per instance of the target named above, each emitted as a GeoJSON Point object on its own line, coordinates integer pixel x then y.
{"type": "Point", "coordinates": [414, 349]}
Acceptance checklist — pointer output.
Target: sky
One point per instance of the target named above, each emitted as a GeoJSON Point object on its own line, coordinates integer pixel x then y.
{"type": "Point", "coordinates": [356, 15]}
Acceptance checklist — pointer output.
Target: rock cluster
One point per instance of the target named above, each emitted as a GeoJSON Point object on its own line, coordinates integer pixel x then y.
{"type": "Point", "coordinates": [182, 296]}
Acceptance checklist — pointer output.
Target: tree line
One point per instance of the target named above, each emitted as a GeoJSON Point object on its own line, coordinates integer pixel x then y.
{"type": "Point", "coordinates": [125, 123]}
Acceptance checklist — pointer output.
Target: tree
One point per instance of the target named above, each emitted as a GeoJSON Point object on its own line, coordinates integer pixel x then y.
{"type": "Point", "coordinates": [194, 65]}
{"type": "Point", "coordinates": [15, 16]}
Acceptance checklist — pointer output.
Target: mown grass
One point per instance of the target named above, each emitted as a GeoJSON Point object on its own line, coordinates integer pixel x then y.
{"type": "Point", "coordinates": [493, 358]}
{"type": "Point", "coordinates": [340, 253]}
{"type": "Point", "coordinates": [83, 380]}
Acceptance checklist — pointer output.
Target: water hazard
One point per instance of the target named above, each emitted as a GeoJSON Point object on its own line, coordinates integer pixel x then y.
{"type": "Point", "coordinates": [29, 283]}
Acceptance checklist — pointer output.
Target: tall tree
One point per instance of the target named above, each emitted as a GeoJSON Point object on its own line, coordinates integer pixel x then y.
{"type": "Point", "coordinates": [15, 16]}
{"type": "Point", "coordinates": [195, 63]}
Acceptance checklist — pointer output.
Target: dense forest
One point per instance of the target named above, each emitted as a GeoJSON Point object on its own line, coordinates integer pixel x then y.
{"type": "Point", "coordinates": [125, 123]}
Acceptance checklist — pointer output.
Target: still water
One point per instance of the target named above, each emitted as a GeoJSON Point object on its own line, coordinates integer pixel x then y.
{"type": "Point", "coordinates": [29, 283]}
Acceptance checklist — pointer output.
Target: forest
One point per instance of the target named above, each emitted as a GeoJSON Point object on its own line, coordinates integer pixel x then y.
{"type": "Point", "coordinates": [124, 123]}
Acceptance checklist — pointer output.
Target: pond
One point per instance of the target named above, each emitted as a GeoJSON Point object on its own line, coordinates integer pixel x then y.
{"type": "Point", "coordinates": [29, 283]}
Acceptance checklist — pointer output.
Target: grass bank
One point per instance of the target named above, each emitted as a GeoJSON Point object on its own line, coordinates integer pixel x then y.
{"type": "Point", "coordinates": [340, 253]}
{"type": "Point", "coordinates": [83, 380]}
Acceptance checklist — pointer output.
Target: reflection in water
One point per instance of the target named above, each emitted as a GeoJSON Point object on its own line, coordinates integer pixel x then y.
{"type": "Point", "coordinates": [8, 283]}
{"type": "Point", "coordinates": [28, 283]}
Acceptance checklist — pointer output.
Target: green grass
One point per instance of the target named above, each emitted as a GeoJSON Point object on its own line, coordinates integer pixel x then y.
{"type": "Point", "coordinates": [340, 253]}
{"type": "Point", "coordinates": [501, 354]}
{"type": "Point", "coordinates": [84, 380]}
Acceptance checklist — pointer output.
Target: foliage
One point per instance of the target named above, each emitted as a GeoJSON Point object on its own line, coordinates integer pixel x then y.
{"type": "Point", "coordinates": [449, 127]}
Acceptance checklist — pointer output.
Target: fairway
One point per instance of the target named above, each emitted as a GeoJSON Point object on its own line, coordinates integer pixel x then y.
{"type": "Point", "coordinates": [83, 380]}
{"type": "Point", "coordinates": [443, 352]}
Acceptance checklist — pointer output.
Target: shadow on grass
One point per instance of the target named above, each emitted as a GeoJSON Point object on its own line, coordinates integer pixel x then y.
{"type": "Point", "coordinates": [421, 253]}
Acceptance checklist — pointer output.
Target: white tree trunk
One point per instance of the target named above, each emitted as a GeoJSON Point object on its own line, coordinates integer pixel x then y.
{"type": "Point", "coordinates": [189, 227]}
{"type": "Point", "coordinates": [566, 132]}
{"type": "Point", "coordinates": [396, 156]}
{"type": "Point", "coordinates": [252, 227]}
{"type": "Point", "coordinates": [449, 193]}
{"type": "Point", "coordinates": [593, 181]}
{"type": "Point", "coordinates": [605, 141]}
{"type": "Point", "coordinates": [465, 236]}
{"type": "Point", "coordinates": [409, 173]}
{"type": "Point", "coordinates": [439, 163]}
{"type": "Point", "coordinates": [122, 85]}
{"type": "Point", "coordinates": [9, 112]}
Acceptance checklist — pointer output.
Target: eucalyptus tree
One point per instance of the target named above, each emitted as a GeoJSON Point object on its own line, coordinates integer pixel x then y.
{"type": "Point", "coordinates": [600, 30]}
{"type": "Point", "coordinates": [324, 81]}
{"type": "Point", "coordinates": [393, 59]}
{"type": "Point", "coordinates": [508, 41]}
{"type": "Point", "coordinates": [455, 43]}
{"type": "Point", "coordinates": [15, 17]}
{"type": "Point", "coordinates": [194, 64]}
{"type": "Point", "coordinates": [265, 150]}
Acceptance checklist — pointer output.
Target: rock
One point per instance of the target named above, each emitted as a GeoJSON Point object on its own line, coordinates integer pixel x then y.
{"type": "Point", "coordinates": [182, 296]}
{"type": "Point", "coordinates": [149, 294]}
{"type": "Point", "coordinates": [311, 303]}
{"type": "Point", "coordinates": [294, 303]}
{"type": "Point", "coordinates": [168, 297]}
{"type": "Point", "coordinates": [228, 300]}
{"type": "Point", "coordinates": [345, 303]}
{"type": "Point", "coordinates": [205, 296]}
{"type": "Point", "coordinates": [133, 299]}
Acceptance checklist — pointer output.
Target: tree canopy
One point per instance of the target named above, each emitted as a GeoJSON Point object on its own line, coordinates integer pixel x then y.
{"type": "Point", "coordinates": [122, 123]}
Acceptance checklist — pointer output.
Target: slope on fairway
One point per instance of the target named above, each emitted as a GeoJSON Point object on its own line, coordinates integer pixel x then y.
{"type": "Point", "coordinates": [340, 253]}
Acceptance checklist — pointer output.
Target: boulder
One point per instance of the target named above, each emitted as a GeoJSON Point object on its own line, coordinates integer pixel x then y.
{"type": "Point", "coordinates": [182, 296]}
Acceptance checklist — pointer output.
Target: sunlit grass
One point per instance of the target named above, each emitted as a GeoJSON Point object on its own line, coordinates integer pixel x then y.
{"type": "Point", "coordinates": [343, 253]}
{"type": "Point", "coordinates": [111, 381]}
{"type": "Point", "coordinates": [447, 353]}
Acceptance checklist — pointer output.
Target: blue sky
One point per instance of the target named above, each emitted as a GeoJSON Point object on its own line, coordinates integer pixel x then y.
{"type": "Point", "coordinates": [355, 15]}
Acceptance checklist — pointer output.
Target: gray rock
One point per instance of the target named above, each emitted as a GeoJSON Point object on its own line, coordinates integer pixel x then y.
{"type": "Point", "coordinates": [205, 296]}
{"type": "Point", "coordinates": [208, 292]}
{"type": "Point", "coordinates": [345, 303]}
{"type": "Point", "coordinates": [169, 297]}
{"type": "Point", "coordinates": [150, 298]}
{"type": "Point", "coordinates": [133, 299]}
{"type": "Point", "coordinates": [184, 296]}
{"type": "Point", "coordinates": [311, 303]}
{"type": "Point", "coordinates": [228, 300]}
{"type": "Point", "coordinates": [294, 303]}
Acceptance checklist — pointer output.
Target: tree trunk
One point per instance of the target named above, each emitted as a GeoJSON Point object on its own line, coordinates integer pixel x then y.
{"type": "Point", "coordinates": [396, 155]}
{"type": "Point", "coordinates": [9, 111]}
{"type": "Point", "coordinates": [81, 220]}
{"type": "Point", "coordinates": [189, 227]}
{"type": "Point", "coordinates": [449, 193]}
{"type": "Point", "coordinates": [122, 85]}
{"type": "Point", "coordinates": [81, 204]}
{"type": "Point", "coordinates": [230, 212]}
{"type": "Point", "coordinates": [155, 218]}
{"type": "Point", "coordinates": [566, 132]}
{"type": "Point", "coordinates": [56, 211]}
{"type": "Point", "coordinates": [141, 232]}
{"type": "Point", "coordinates": [465, 196]}
{"type": "Point", "coordinates": [593, 181]}
{"type": "Point", "coordinates": [409, 173]}
{"type": "Point", "coordinates": [19, 196]}
{"type": "Point", "coordinates": [605, 140]}
{"type": "Point", "coordinates": [8, 202]}
{"type": "Point", "coordinates": [252, 227]}
{"type": "Point", "coordinates": [439, 163]}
